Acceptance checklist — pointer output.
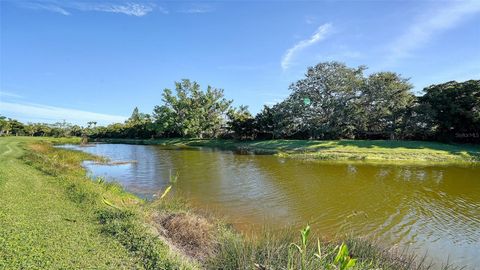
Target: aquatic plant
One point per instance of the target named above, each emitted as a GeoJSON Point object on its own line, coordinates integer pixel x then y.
{"type": "Point", "coordinates": [302, 248]}
{"type": "Point", "coordinates": [342, 260]}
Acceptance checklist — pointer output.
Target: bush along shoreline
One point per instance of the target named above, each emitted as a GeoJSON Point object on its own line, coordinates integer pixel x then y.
{"type": "Point", "coordinates": [167, 233]}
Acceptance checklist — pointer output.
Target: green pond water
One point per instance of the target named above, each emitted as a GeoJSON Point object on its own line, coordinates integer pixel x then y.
{"type": "Point", "coordinates": [427, 209]}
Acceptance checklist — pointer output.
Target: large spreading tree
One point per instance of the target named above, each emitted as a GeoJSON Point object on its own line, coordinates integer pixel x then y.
{"type": "Point", "coordinates": [191, 112]}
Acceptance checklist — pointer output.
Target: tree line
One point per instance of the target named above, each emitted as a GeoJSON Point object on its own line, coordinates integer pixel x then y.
{"type": "Point", "coordinates": [9, 126]}
{"type": "Point", "coordinates": [332, 101]}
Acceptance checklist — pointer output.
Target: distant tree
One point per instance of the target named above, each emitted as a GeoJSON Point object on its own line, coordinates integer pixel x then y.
{"type": "Point", "coordinates": [75, 131]}
{"type": "Point", "coordinates": [135, 117]}
{"type": "Point", "coordinates": [241, 123]}
{"type": "Point", "coordinates": [265, 123]}
{"type": "Point", "coordinates": [116, 130]}
{"type": "Point", "coordinates": [29, 129]}
{"type": "Point", "coordinates": [4, 125]}
{"type": "Point", "coordinates": [60, 129]}
{"type": "Point", "coordinates": [453, 109]}
{"type": "Point", "coordinates": [139, 125]}
{"type": "Point", "coordinates": [15, 127]}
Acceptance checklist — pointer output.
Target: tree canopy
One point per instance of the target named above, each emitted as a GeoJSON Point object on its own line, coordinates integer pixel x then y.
{"type": "Point", "coordinates": [453, 109]}
{"type": "Point", "coordinates": [191, 112]}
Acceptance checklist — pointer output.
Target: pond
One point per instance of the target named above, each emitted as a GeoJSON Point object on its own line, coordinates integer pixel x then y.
{"type": "Point", "coordinates": [428, 209]}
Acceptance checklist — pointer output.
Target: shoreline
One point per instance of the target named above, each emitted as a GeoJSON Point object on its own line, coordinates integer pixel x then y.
{"type": "Point", "coordinates": [364, 151]}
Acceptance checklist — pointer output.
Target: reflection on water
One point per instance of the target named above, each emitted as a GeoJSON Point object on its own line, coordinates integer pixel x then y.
{"type": "Point", "coordinates": [434, 209]}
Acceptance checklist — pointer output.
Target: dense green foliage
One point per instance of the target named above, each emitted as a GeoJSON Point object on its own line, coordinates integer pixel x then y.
{"type": "Point", "coordinates": [241, 123]}
{"type": "Point", "coordinates": [453, 109]}
{"type": "Point", "coordinates": [333, 101]}
{"type": "Point", "coordinates": [191, 112]}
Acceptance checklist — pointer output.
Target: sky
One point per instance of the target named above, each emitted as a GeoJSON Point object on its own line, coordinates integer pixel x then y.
{"type": "Point", "coordinates": [83, 61]}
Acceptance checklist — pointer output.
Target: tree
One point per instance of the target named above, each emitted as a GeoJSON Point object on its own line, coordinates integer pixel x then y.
{"type": "Point", "coordinates": [135, 117]}
{"type": "Point", "coordinates": [322, 105]}
{"type": "Point", "coordinates": [76, 131]}
{"type": "Point", "coordinates": [139, 125]}
{"type": "Point", "coordinates": [241, 123]}
{"type": "Point", "coordinates": [4, 125]}
{"type": "Point", "coordinates": [191, 112]}
{"type": "Point", "coordinates": [15, 127]}
{"type": "Point", "coordinates": [383, 105]}
{"type": "Point", "coordinates": [265, 123]}
{"type": "Point", "coordinates": [453, 109]}
{"type": "Point", "coordinates": [165, 124]}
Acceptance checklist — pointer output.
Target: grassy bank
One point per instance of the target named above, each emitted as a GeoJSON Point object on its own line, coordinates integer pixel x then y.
{"type": "Point", "coordinates": [54, 217]}
{"type": "Point", "coordinates": [340, 150]}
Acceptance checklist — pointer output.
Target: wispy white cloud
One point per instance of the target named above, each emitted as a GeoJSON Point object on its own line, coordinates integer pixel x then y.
{"type": "Point", "coordinates": [342, 54]}
{"type": "Point", "coordinates": [48, 6]}
{"type": "Point", "coordinates": [137, 8]}
{"type": "Point", "coordinates": [319, 35]}
{"type": "Point", "coordinates": [131, 9]}
{"type": "Point", "coordinates": [30, 111]}
{"type": "Point", "coordinates": [430, 24]}
{"type": "Point", "coordinates": [9, 94]}
{"type": "Point", "coordinates": [197, 9]}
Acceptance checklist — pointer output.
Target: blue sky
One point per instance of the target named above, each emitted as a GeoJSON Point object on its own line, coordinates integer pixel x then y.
{"type": "Point", "coordinates": [96, 60]}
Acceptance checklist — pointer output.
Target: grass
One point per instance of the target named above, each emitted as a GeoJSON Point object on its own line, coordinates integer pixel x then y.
{"type": "Point", "coordinates": [338, 150]}
{"type": "Point", "coordinates": [54, 217]}
{"type": "Point", "coordinates": [279, 250]}
{"type": "Point", "coordinates": [41, 228]}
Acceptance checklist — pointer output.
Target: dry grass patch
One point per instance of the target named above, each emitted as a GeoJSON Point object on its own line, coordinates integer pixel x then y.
{"type": "Point", "coordinates": [190, 233]}
{"type": "Point", "coordinates": [39, 147]}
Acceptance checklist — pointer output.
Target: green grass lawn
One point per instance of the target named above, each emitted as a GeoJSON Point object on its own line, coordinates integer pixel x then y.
{"type": "Point", "coordinates": [49, 215]}
{"type": "Point", "coordinates": [340, 150]}
{"type": "Point", "coordinates": [40, 228]}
